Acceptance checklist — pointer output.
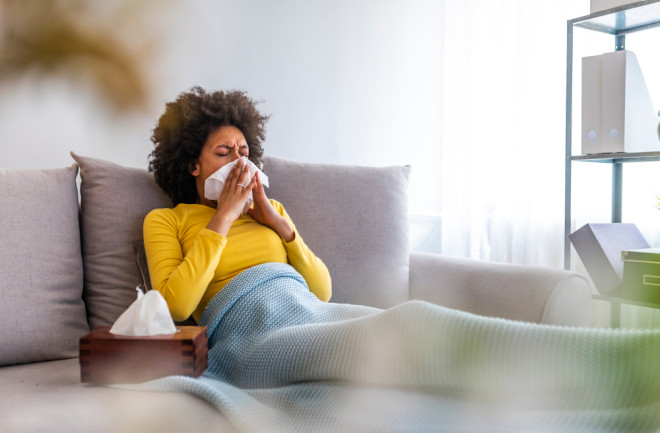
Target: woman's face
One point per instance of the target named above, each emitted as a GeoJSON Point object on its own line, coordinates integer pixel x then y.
{"type": "Point", "coordinates": [222, 146]}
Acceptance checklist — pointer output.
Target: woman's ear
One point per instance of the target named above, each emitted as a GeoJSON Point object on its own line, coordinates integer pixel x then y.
{"type": "Point", "coordinates": [195, 169]}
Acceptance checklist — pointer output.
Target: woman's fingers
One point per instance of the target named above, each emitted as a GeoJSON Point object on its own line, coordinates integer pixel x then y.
{"type": "Point", "coordinates": [230, 182]}
{"type": "Point", "coordinates": [255, 183]}
{"type": "Point", "coordinates": [236, 172]}
{"type": "Point", "coordinates": [237, 177]}
{"type": "Point", "coordinates": [244, 179]}
{"type": "Point", "coordinates": [259, 193]}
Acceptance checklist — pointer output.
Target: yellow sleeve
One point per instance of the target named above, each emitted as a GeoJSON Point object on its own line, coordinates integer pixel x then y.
{"type": "Point", "coordinates": [302, 258]}
{"type": "Point", "coordinates": [181, 280]}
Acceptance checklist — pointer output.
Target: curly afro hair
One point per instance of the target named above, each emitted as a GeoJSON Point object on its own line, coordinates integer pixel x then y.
{"type": "Point", "coordinates": [183, 129]}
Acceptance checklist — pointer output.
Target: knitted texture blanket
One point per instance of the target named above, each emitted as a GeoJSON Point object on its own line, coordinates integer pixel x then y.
{"type": "Point", "coordinates": [281, 360]}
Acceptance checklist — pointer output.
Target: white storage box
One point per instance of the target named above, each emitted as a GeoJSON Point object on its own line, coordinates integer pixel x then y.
{"type": "Point", "coordinates": [599, 247]}
{"type": "Point", "coordinates": [601, 5]}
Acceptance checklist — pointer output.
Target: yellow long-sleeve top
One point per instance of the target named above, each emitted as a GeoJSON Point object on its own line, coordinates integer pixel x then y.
{"type": "Point", "coordinates": [189, 264]}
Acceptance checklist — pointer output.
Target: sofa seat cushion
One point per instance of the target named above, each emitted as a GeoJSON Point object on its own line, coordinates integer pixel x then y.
{"type": "Point", "coordinates": [48, 397]}
{"type": "Point", "coordinates": [355, 219]}
{"type": "Point", "coordinates": [42, 314]}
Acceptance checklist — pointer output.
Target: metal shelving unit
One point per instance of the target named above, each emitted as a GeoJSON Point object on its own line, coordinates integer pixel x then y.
{"type": "Point", "coordinates": [617, 22]}
{"type": "Point", "coordinates": [617, 158]}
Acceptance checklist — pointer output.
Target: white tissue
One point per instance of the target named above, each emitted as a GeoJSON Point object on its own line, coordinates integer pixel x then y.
{"type": "Point", "coordinates": [147, 315]}
{"type": "Point", "coordinates": [215, 182]}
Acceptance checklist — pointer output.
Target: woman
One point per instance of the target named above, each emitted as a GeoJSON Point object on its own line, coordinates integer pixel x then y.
{"type": "Point", "coordinates": [195, 248]}
{"type": "Point", "coordinates": [280, 360]}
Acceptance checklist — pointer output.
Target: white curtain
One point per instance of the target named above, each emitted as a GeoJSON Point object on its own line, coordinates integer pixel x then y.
{"type": "Point", "coordinates": [504, 125]}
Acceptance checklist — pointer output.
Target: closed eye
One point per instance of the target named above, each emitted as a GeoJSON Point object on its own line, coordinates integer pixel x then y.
{"type": "Point", "coordinates": [223, 150]}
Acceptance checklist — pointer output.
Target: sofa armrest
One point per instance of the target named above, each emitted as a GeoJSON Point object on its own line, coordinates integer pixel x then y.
{"type": "Point", "coordinates": [516, 292]}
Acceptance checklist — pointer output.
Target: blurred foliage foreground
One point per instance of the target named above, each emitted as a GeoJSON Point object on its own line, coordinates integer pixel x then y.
{"type": "Point", "coordinates": [78, 40]}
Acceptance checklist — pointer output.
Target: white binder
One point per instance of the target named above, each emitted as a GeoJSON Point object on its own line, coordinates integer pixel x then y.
{"type": "Point", "coordinates": [617, 111]}
{"type": "Point", "coordinates": [592, 84]}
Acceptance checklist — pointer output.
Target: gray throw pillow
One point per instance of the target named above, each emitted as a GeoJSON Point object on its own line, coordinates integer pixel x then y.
{"type": "Point", "coordinates": [114, 201]}
{"type": "Point", "coordinates": [42, 314]}
{"type": "Point", "coordinates": [355, 219]}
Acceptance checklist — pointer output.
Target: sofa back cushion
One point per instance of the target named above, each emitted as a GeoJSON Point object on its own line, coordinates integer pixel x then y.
{"type": "Point", "coordinates": [114, 201]}
{"type": "Point", "coordinates": [42, 314]}
{"type": "Point", "coordinates": [355, 219]}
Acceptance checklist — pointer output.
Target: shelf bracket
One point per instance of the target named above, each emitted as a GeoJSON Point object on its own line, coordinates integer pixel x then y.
{"type": "Point", "coordinates": [617, 192]}
{"type": "Point", "coordinates": [619, 42]}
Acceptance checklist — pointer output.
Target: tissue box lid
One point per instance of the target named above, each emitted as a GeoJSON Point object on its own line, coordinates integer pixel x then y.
{"type": "Point", "coordinates": [109, 358]}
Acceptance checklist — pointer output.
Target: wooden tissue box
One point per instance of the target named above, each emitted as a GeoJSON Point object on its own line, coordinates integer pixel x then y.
{"type": "Point", "coordinates": [108, 358]}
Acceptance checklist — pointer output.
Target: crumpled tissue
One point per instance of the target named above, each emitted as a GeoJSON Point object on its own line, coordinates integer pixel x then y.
{"type": "Point", "coordinates": [215, 182]}
{"type": "Point", "coordinates": [147, 315]}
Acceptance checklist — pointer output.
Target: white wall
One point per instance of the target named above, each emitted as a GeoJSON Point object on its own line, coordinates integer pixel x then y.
{"type": "Point", "coordinates": [349, 82]}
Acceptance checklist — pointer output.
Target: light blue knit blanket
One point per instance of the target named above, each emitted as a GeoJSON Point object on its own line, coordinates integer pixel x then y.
{"type": "Point", "coordinates": [280, 360]}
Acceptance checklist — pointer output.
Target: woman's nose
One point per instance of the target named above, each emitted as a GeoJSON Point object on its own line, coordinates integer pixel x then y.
{"type": "Point", "coordinates": [234, 152]}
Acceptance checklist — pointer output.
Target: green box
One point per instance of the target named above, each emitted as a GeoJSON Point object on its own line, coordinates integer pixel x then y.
{"type": "Point", "coordinates": [641, 275]}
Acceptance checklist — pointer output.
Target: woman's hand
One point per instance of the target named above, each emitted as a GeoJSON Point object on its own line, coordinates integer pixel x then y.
{"type": "Point", "coordinates": [264, 213]}
{"type": "Point", "coordinates": [233, 197]}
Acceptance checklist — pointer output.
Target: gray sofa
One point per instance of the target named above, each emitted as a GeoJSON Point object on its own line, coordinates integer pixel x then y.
{"type": "Point", "coordinates": [71, 259]}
